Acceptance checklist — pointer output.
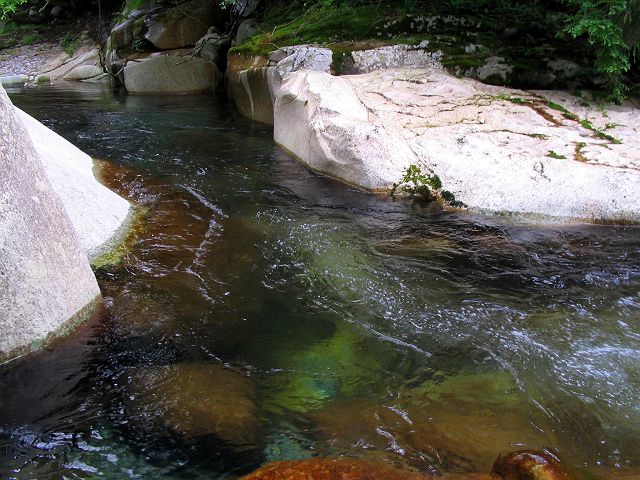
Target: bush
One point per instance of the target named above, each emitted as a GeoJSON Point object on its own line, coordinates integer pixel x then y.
{"type": "Point", "coordinates": [612, 29]}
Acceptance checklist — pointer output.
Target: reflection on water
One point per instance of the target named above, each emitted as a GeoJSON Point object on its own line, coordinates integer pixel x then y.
{"type": "Point", "coordinates": [265, 313]}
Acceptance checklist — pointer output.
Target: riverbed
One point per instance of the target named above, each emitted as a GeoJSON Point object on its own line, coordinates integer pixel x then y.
{"type": "Point", "coordinates": [333, 321]}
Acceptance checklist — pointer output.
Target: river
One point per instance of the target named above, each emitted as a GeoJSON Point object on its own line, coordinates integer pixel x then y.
{"type": "Point", "coordinates": [263, 312]}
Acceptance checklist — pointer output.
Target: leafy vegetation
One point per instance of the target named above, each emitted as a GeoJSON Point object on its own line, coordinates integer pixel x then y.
{"type": "Point", "coordinates": [423, 185]}
{"type": "Point", "coordinates": [70, 43]}
{"type": "Point", "coordinates": [8, 7]}
{"type": "Point", "coordinates": [604, 34]}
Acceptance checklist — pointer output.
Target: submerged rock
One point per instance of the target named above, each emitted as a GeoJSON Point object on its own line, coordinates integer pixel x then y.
{"type": "Point", "coordinates": [197, 399]}
{"type": "Point", "coordinates": [531, 465]}
{"type": "Point", "coordinates": [311, 377]}
{"type": "Point", "coordinates": [332, 469]}
{"type": "Point", "coordinates": [460, 423]}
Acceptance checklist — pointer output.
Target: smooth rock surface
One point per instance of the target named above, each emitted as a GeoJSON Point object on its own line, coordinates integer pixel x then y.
{"type": "Point", "coordinates": [182, 25]}
{"type": "Point", "coordinates": [170, 74]}
{"type": "Point", "coordinates": [493, 147]}
{"type": "Point", "coordinates": [60, 66]}
{"type": "Point", "coordinates": [83, 72]}
{"type": "Point", "coordinates": [254, 81]}
{"type": "Point", "coordinates": [45, 278]}
{"type": "Point", "coordinates": [96, 212]}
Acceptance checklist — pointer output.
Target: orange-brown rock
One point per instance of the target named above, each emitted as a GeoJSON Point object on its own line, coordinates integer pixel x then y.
{"type": "Point", "coordinates": [196, 399]}
{"type": "Point", "coordinates": [332, 469]}
{"type": "Point", "coordinates": [531, 465]}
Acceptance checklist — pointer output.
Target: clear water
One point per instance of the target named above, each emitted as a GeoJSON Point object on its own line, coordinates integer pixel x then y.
{"type": "Point", "coordinates": [355, 324]}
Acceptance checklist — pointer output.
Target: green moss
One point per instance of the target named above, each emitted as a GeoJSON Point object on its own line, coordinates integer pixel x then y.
{"type": "Point", "coordinates": [117, 253]}
{"type": "Point", "coordinates": [553, 154]}
{"type": "Point", "coordinates": [509, 98]}
{"type": "Point", "coordinates": [540, 136]}
{"type": "Point", "coordinates": [70, 43]}
{"type": "Point", "coordinates": [464, 61]}
{"type": "Point", "coordinates": [29, 39]}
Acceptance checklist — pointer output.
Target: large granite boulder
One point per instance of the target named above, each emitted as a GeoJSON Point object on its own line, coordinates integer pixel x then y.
{"type": "Point", "coordinates": [332, 134]}
{"type": "Point", "coordinates": [183, 25]}
{"type": "Point", "coordinates": [171, 74]}
{"type": "Point", "coordinates": [546, 154]}
{"type": "Point", "coordinates": [97, 214]}
{"type": "Point", "coordinates": [46, 282]}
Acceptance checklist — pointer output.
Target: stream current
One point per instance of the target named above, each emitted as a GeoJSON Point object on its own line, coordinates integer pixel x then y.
{"type": "Point", "coordinates": [263, 312]}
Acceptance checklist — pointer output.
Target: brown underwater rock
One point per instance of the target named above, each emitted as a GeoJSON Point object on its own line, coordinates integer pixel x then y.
{"type": "Point", "coordinates": [531, 465]}
{"type": "Point", "coordinates": [332, 469]}
{"type": "Point", "coordinates": [197, 399]}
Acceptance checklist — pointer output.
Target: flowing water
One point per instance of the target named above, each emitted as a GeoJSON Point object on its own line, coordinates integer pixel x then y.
{"type": "Point", "coordinates": [263, 312]}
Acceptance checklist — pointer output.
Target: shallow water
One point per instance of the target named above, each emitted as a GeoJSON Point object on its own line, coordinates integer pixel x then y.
{"type": "Point", "coordinates": [351, 324]}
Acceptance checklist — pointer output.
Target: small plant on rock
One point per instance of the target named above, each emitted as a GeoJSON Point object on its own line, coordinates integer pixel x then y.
{"type": "Point", "coordinates": [423, 185]}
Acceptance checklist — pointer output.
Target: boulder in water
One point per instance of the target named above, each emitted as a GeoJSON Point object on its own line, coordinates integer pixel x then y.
{"type": "Point", "coordinates": [45, 279]}
{"type": "Point", "coordinates": [197, 399]}
{"type": "Point", "coordinates": [332, 469]}
{"type": "Point", "coordinates": [531, 465]}
{"type": "Point", "coordinates": [170, 74]}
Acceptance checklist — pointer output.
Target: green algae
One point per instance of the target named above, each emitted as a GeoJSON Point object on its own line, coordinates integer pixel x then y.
{"type": "Point", "coordinates": [333, 367]}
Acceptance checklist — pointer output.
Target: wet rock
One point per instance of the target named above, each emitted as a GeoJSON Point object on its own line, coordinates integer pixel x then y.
{"type": "Point", "coordinates": [197, 399]}
{"type": "Point", "coordinates": [332, 469]}
{"type": "Point", "coordinates": [170, 74]}
{"type": "Point", "coordinates": [254, 81]}
{"type": "Point", "coordinates": [529, 168]}
{"type": "Point", "coordinates": [183, 25]}
{"type": "Point", "coordinates": [14, 80]}
{"type": "Point", "coordinates": [531, 465]}
{"type": "Point", "coordinates": [249, 87]}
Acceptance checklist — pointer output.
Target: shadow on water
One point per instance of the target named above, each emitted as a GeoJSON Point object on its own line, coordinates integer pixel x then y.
{"type": "Point", "coordinates": [263, 313]}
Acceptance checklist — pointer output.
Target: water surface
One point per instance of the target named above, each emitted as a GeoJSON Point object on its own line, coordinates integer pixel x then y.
{"type": "Point", "coordinates": [345, 323]}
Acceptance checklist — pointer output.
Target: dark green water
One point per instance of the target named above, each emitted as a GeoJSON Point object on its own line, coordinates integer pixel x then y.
{"type": "Point", "coordinates": [359, 325]}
